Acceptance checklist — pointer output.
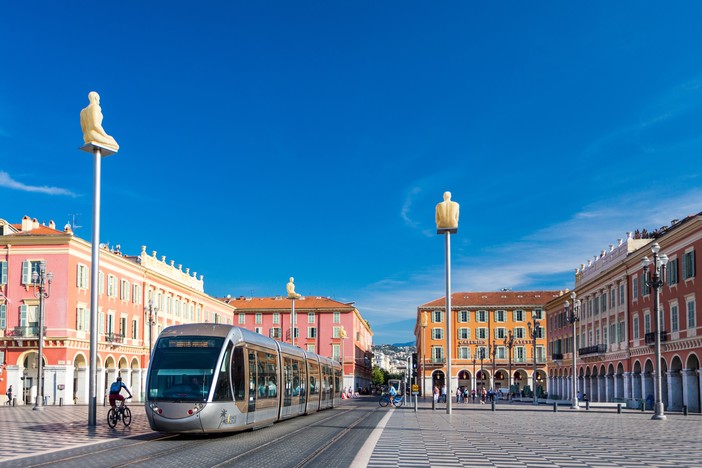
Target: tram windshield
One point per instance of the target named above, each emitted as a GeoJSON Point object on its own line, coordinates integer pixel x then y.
{"type": "Point", "coordinates": [182, 368]}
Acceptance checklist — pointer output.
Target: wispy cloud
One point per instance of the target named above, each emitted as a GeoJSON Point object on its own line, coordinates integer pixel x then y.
{"type": "Point", "coordinates": [542, 259]}
{"type": "Point", "coordinates": [8, 182]}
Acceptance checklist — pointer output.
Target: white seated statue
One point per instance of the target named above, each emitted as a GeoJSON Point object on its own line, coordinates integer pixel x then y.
{"type": "Point", "coordinates": [291, 289]}
{"type": "Point", "coordinates": [447, 214]}
{"type": "Point", "coordinates": [91, 124]}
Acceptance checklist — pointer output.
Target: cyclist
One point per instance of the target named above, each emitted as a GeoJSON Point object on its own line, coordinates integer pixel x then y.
{"type": "Point", "coordinates": [115, 391]}
{"type": "Point", "coordinates": [393, 393]}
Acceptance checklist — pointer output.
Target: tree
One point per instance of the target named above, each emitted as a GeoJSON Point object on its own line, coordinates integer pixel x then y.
{"type": "Point", "coordinates": [378, 375]}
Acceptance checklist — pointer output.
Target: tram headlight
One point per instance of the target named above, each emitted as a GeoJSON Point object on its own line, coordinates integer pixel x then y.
{"type": "Point", "coordinates": [198, 407]}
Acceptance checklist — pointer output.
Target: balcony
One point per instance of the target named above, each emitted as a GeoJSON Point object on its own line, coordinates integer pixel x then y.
{"type": "Point", "coordinates": [114, 337]}
{"type": "Point", "coordinates": [437, 361]}
{"type": "Point", "coordinates": [27, 332]}
{"type": "Point", "coordinates": [557, 357]}
{"type": "Point", "coordinates": [650, 338]}
{"type": "Point", "coordinates": [597, 349]}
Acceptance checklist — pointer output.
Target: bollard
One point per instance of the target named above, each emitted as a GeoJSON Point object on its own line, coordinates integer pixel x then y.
{"type": "Point", "coordinates": [433, 404]}
{"type": "Point", "coordinates": [587, 405]}
{"type": "Point", "coordinates": [555, 407]}
{"type": "Point", "coordinates": [619, 408]}
{"type": "Point", "coordinates": [14, 401]}
{"type": "Point", "coordinates": [493, 405]}
{"type": "Point", "coordinates": [643, 405]}
{"type": "Point", "coordinates": [61, 401]}
{"type": "Point", "coordinates": [685, 410]}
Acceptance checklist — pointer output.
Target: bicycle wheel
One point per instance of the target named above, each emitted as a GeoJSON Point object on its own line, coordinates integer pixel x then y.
{"type": "Point", "coordinates": [112, 417]}
{"type": "Point", "coordinates": [383, 401]}
{"type": "Point", "coordinates": [127, 416]}
{"type": "Point", "coordinates": [399, 402]}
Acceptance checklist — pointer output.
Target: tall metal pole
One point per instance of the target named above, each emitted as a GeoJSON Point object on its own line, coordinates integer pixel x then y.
{"type": "Point", "coordinates": [424, 358]}
{"type": "Point", "coordinates": [292, 321]}
{"type": "Point", "coordinates": [534, 332]}
{"type": "Point", "coordinates": [94, 286]}
{"type": "Point", "coordinates": [509, 343]}
{"type": "Point", "coordinates": [449, 335]}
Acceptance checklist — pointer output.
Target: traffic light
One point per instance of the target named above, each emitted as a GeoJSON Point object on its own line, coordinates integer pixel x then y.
{"type": "Point", "coordinates": [414, 361]}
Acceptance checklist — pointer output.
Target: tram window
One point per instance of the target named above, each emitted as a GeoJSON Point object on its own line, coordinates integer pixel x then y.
{"type": "Point", "coordinates": [267, 375]}
{"type": "Point", "coordinates": [223, 392]}
{"type": "Point", "coordinates": [238, 374]}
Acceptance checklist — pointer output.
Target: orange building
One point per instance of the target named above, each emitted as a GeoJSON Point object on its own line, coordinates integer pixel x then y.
{"type": "Point", "coordinates": [492, 339]}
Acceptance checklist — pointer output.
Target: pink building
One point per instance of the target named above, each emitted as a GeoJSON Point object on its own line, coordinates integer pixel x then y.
{"type": "Point", "coordinates": [322, 325]}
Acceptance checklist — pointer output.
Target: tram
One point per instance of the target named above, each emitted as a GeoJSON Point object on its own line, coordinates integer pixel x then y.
{"type": "Point", "coordinates": [220, 378]}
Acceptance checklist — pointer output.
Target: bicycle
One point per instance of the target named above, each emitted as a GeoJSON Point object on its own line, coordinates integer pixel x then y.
{"type": "Point", "coordinates": [120, 412]}
{"type": "Point", "coordinates": [397, 400]}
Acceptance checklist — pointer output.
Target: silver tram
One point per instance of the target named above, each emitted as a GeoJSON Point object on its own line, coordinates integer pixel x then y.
{"type": "Point", "coordinates": [219, 378]}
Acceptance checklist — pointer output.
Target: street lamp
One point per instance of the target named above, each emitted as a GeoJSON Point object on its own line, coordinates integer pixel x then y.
{"type": "Point", "coordinates": [493, 352]}
{"type": "Point", "coordinates": [534, 333]}
{"type": "Point", "coordinates": [425, 322]}
{"type": "Point", "coordinates": [656, 282]}
{"type": "Point", "coordinates": [573, 318]}
{"type": "Point", "coordinates": [509, 343]}
{"type": "Point", "coordinates": [151, 320]}
{"type": "Point", "coordinates": [39, 280]}
{"type": "Point", "coordinates": [482, 373]}
{"type": "Point", "coordinates": [475, 377]}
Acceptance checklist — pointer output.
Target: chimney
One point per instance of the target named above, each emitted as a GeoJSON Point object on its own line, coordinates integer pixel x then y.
{"type": "Point", "coordinates": [26, 224]}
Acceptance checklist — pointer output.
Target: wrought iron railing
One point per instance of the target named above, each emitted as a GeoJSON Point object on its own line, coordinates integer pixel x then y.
{"type": "Point", "coordinates": [650, 338]}
{"type": "Point", "coordinates": [114, 337]}
{"type": "Point", "coordinates": [597, 349]}
{"type": "Point", "coordinates": [27, 331]}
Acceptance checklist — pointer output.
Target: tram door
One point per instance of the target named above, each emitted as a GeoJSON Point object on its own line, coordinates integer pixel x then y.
{"type": "Point", "coordinates": [252, 386]}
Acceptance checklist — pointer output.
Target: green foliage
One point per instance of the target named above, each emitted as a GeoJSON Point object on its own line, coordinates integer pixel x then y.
{"type": "Point", "coordinates": [379, 376]}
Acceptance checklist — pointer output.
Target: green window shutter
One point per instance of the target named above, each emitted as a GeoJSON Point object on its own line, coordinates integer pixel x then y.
{"type": "Point", "coordinates": [3, 272]}
{"type": "Point", "coordinates": [23, 315]}
{"type": "Point", "coordinates": [26, 272]}
{"type": "Point", "coordinates": [3, 316]}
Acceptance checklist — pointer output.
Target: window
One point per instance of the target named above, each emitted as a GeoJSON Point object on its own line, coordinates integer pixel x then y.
{"type": "Point", "coordinates": [3, 272]}
{"type": "Point", "coordinates": [28, 269]}
{"type": "Point", "coordinates": [135, 327]}
{"type": "Point", "coordinates": [688, 265]}
{"type": "Point", "coordinates": [336, 352]}
{"type": "Point", "coordinates": [336, 332]}
{"type": "Point", "coordinates": [621, 294]}
{"type": "Point", "coordinates": [463, 352]}
{"type": "Point", "coordinates": [101, 283]}
{"type": "Point", "coordinates": [603, 302]}
{"type": "Point", "coordinates": [635, 287]}
{"type": "Point", "coordinates": [464, 333]}
{"type": "Point", "coordinates": [519, 354]}
{"type": "Point", "coordinates": [437, 316]}
{"type": "Point", "coordinates": [123, 326]}
{"type": "Point", "coordinates": [310, 317]}
{"type": "Point", "coordinates": [437, 333]}
{"type": "Point", "coordinates": [463, 316]}
{"type": "Point", "coordinates": [635, 328]}
{"type": "Point", "coordinates": [612, 333]}
{"type": "Point", "coordinates": [519, 333]}
{"type": "Point", "coordinates": [310, 348]}
{"type": "Point", "coordinates": [481, 333]}
{"type": "Point", "coordinates": [3, 316]}
{"type": "Point", "coordinates": [620, 331]}
{"type": "Point", "coordinates": [597, 305]}
{"type": "Point", "coordinates": [500, 333]}
{"type": "Point", "coordinates": [111, 286]}
{"type": "Point", "coordinates": [337, 317]}
{"type": "Point", "coordinates": [671, 272]}
{"type": "Point", "coordinates": [482, 316]}
{"type": "Point", "coordinates": [645, 284]}
{"type": "Point", "coordinates": [647, 323]}
{"type": "Point", "coordinates": [537, 314]}
{"type": "Point", "coordinates": [276, 318]}
{"type": "Point", "coordinates": [518, 315]}
{"type": "Point", "coordinates": [311, 332]}
{"type": "Point", "coordinates": [242, 318]}
{"type": "Point", "coordinates": [136, 294]}
{"type": "Point", "coordinates": [124, 290]}
{"type": "Point", "coordinates": [501, 352]}
{"type": "Point", "coordinates": [258, 330]}
{"type": "Point", "coordinates": [500, 316]}
{"type": "Point", "coordinates": [82, 277]}
{"type": "Point", "coordinates": [274, 332]}
{"type": "Point", "coordinates": [674, 318]}
{"type": "Point", "coordinates": [437, 353]}
{"type": "Point", "coordinates": [691, 313]}
{"type": "Point", "coordinates": [259, 318]}
{"type": "Point", "coordinates": [612, 298]}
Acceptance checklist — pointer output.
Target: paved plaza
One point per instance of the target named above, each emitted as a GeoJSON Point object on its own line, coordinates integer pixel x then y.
{"type": "Point", "coordinates": [514, 435]}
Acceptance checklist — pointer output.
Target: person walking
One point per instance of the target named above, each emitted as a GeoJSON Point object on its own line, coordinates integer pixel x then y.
{"type": "Point", "coordinates": [9, 395]}
{"type": "Point", "coordinates": [443, 393]}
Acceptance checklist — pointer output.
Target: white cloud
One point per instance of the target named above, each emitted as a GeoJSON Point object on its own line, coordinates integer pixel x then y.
{"type": "Point", "coordinates": [8, 182]}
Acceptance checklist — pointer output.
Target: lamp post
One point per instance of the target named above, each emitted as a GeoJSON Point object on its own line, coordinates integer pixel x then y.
{"type": "Point", "coordinates": [573, 318]}
{"type": "Point", "coordinates": [534, 332]}
{"type": "Point", "coordinates": [151, 320]}
{"type": "Point", "coordinates": [39, 283]}
{"type": "Point", "coordinates": [425, 322]}
{"type": "Point", "coordinates": [475, 377]}
{"type": "Point", "coordinates": [493, 352]}
{"type": "Point", "coordinates": [342, 335]}
{"type": "Point", "coordinates": [482, 373]}
{"type": "Point", "coordinates": [509, 343]}
{"type": "Point", "coordinates": [656, 282]}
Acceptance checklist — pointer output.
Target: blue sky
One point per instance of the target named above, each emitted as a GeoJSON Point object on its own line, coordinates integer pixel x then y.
{"type": "Point", "coordinates": [263, 140]}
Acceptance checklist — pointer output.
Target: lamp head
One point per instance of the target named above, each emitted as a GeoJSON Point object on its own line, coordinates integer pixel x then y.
{"type": "Point", "coordinates": [655, 248]}
{"type": "Point", "coordinates": [645, 262]}
{"type": "Point", "coordinates": [663, 258]}
{"type": "Point", "coordinates": [572, 296]}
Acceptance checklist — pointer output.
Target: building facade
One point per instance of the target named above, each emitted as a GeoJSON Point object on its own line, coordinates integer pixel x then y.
{"type": "Point", "coordinates": [615, 334]}
{"type": "Point", "coordinates": [322, 325]}
{"type": "Point", "coordinates": [494, 337]}
{"type": "Point", "coordinates": [137, 297]}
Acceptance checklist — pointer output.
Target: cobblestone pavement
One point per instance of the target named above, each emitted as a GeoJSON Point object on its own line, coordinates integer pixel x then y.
{"type": "Point", "coordinates": [515, 435]}
{"type": "Point", "coordinates": [521, 435]}
{"type": "Point", "coordinates": [24, 431]}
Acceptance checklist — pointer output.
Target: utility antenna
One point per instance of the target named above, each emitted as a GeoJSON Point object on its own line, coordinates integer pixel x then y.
{"type": "Point", "coordinates": [74, 226]}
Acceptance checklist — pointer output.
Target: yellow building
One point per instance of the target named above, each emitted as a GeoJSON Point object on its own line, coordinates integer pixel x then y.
{"type": "Point", "coordinates": [494, 335]}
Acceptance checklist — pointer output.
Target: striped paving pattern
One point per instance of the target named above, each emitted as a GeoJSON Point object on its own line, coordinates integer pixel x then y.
{"type": "Point", "coordinates": [525, 436]}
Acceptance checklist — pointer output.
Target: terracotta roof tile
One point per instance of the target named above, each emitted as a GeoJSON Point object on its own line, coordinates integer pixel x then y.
{"type": "Point", "coordinates": [279, 302]}
{"type": "Point", "coordinates": [497, 299]}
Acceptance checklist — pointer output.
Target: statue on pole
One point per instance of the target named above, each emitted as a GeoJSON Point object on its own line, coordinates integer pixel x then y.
{"type": "Point", "coordinates": [447, 215]}
{"type": "Point", "coordinates": [291, 289]}
{"type": "Point", "coordinates": [91, 124]}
